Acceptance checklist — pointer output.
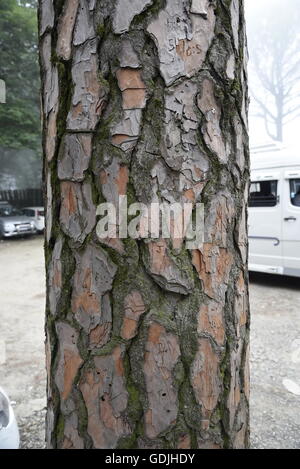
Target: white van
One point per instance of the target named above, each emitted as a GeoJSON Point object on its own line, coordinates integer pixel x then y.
{"type": "Point", "coordinates": [37, 215]}
{"type": "Point", "coordinates": [274, 211]}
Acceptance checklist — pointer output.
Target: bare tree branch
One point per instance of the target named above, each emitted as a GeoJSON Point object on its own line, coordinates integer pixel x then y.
{"type": "Point", "coordinates": [274, 41]}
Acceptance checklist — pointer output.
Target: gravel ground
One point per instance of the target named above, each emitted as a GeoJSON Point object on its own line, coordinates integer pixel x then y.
{"type": "Point", "coordinates": [275, 349]}
{"type": "Point", "coordinates": [275, 358]}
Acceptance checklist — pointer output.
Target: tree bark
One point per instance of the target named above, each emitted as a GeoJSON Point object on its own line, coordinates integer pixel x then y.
{"type": "Point", "coordinates": [147, 342]}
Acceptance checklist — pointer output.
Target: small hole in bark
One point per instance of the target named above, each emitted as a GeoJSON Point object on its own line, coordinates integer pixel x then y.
{"type": "Point", "coordinates": [102, 398]}
{"type": "Point", "coordinates": [164, 394]}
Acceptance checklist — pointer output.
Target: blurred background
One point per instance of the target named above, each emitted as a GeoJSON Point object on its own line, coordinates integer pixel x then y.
{"type": "Point", "coordinates": [20, 135]}
{"type": "Point", "coordinates": [274, 86]}
{"type": "Point", "coordinates": [274, 70]}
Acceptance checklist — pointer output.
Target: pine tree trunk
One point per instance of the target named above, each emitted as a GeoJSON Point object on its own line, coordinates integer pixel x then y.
{"type": "Point", "coordinates": [147, 341]}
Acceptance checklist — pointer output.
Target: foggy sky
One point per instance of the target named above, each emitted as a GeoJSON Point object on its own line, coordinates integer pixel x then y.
{"type": "Point", "coordinates": [256, 125]}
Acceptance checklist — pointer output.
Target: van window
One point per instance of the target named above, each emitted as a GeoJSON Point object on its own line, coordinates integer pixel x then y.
{"type": "Point", "coordinates": [28, 212]}
{"type": "Point", "coordinates": [263, 194]}
{"type": "Point", "coordinates": [295, 192]}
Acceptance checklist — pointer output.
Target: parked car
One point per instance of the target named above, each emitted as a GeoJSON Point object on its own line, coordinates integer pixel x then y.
{"type": "Point", "coordinates": [13, 222]}
{"type": "Point", "coordinates": [37, 215]}
{"type": "Point", "coordinates": [274, 211]}
{"type": "Point", "coordinates": [9, 433]}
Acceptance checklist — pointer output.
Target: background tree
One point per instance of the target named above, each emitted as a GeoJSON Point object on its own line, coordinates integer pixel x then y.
{"type": "Point", "coordinates": [147, 342]}
{"type": "Point", "coordinates": [20, 126]}
{"type": "Point", "coordinates": [274, 44]}
{"type": "Point", "coordinates": [19, 118]}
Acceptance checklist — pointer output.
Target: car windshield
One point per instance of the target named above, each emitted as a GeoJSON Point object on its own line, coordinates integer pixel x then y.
{"type": "Point", "coordinates": [10, 212]}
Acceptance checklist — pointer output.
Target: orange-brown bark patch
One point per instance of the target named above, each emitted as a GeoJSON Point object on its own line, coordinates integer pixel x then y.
{"type": "Point", "coordinates": [133, 308]}
{"type": "Point", "coordinates": [122, 180]}
{"type": "Point", "coordinates": [205, 376]}
{"type": "Point", "coordinates": [117, 355]}
{"type": "Point", "coordinates": [134, 99]}
{"type": "Point", "coordinates": [129, 78]}
{"type": "Point", "coordinates": [129, 328]}
{"type": "Point", "coordinates": [118, 139]}
{"type": "Point", "coordinates": [155, 332]}
{"type": "Point", "coordinates": [184, 442]}
{"type": "Point", "coordinates": [72, 362]}
{"type": "Point", "coordinates": [190, 195]}
{"type": "Point", "coordinates": [202, 264]}
{"type": "Point", "coordinates": [69, 197]}
{"type": "Point", "coordinates": [159, 260]}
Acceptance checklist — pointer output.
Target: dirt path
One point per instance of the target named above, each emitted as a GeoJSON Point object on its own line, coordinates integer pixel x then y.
{"type": "Point", "coordinates": [22, 373]}
{"type": "Point", "coordinates": [275, 348]}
